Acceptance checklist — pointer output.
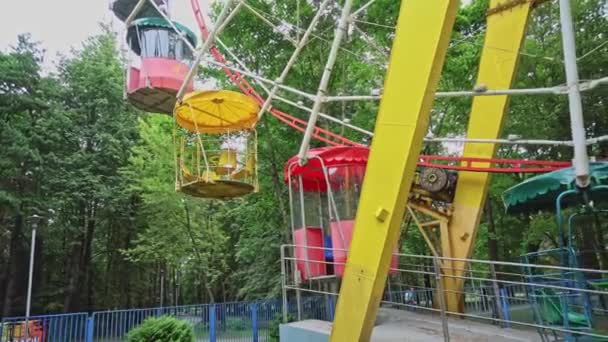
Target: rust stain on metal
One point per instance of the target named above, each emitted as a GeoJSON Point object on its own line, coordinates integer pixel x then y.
{"type": "Point", "coordinates": [512, 4]}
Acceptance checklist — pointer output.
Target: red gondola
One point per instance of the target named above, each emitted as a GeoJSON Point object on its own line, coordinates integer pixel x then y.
{"type": "Point", "coordinates": [324, 195]}
{"type": "Point", "coordinates": [161, 63]}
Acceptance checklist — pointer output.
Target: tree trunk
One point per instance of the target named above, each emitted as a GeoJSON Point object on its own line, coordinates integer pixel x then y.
{"type": "Point", "coordinates": [13, 291]}
{"type": "Point", "coordinates": [530, 247]}
{"type": "Point", "coordinates": [125, 281]}
{"type": "Point", "coordinates": [4, 256]}
{"type": "Point", "coordinates": [277, 184]}
{"type": "Point", "coordinates": [84, 278]}
{"type": "Point", "coordinates": [38, 280]}
{"type": "Point", "coordinates": [224, 291]}
{"type": "Point", "coordinates": [601, 244]}
{"type": "Point", "coordinates": [72, 273]}
{"type": "Point", "coordinates": [492, 235]}
{"type": "Point", "coordinates": [71, 295]}
{"type": "Point", "coordinates": [87, 279]}
{"type": "Point", "coordinates": [588, 246]}
{"type": "Point", "coordinates": [108, 271]}
{"type": "Point", "coordinates": [204, 277]}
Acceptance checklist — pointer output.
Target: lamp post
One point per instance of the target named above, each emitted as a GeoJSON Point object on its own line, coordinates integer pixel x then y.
{"type": "Point", "coordinates": [162, 287]}
{"type": "Point", "coordinates": [34, 219]}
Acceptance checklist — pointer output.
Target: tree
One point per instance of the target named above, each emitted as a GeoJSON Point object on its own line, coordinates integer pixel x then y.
{"type": "Point", "coordinates": [26, 99]}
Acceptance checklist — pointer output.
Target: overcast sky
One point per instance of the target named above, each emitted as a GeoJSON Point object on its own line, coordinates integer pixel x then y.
{"type": "Point", "coordinates": [62, 24]}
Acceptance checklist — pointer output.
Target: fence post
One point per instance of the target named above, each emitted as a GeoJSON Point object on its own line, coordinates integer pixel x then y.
{"type": "Point", "coordinates": [331, 307]}
{"type": "Point", "coordinates": [497, 304]}
{"type": "Point", "coordinates": [505, 307]}
{"type": "Point", "coordinates": [299, 303]}
{"type": "Point", "coordinates": [284, 284]}
{"type": "Point", "coordinates": [90, 328]}
{"type": "Point", "coordinates": [212, 333]}
{"type": "Point", "coordinates": [441, 298]}
{"type": "Point", "coordinates": [254, 321]}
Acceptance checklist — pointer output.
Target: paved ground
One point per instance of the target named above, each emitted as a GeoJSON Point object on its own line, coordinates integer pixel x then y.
{"type": "Point", "coordinates": [408, 326]}
{"type": "Point", "coordinates": [400, 326]}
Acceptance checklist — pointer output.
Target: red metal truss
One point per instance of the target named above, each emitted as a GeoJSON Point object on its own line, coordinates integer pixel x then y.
{"type": "Point", "coordinates": [493, 165]}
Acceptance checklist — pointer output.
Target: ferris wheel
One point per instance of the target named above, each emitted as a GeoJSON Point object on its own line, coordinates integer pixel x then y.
{"type": "Point", "coordinates": [164, 67]}
{"type": "Point", "coordinates": [216, 141]}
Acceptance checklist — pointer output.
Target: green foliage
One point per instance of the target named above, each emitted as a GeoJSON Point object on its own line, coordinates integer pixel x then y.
{"type": "Point", "coordinates": [163, 329]}
{"type": "Point", "coordinates": [64, 138]}
{"type": "Point", "coordinates": [237, 324]}
{"type": "Point", "coordinates": [274, 326]}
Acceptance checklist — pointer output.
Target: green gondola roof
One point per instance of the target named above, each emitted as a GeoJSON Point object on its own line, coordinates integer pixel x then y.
{"type": "Point", "coordinates": [540, 192]}
{"type": "Point", "coordinates": [156, 22]}
{"type": "Point", "coordinates": [122, 9]}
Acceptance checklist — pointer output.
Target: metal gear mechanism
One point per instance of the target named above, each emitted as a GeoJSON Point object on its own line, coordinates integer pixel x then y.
{"type": "Point", "coordinates": [433, 180]}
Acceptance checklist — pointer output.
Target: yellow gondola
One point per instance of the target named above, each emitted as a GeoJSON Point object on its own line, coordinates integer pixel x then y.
{"type": "Point", "coordinates": [216, 144]}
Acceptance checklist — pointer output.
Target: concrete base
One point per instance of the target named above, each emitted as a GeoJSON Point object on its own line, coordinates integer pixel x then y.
{"type": "Point", "coordinates": [305, 331]}
{"type": "Point", "coordinates": [398, 326]}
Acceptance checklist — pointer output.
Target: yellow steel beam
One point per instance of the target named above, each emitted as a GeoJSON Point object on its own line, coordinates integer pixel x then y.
{"type": "Point", "coordinates": [430, 212]}
{"type": "Point", "coordinates": [422, 36]}
{"type": "Point", "coordinates": [428, 241]}
{"type": "Point", "coordinates": [506, 27]}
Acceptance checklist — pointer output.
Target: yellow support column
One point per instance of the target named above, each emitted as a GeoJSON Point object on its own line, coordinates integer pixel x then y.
{"type": "Point", "coordinates": [422, 36]}
{"type": "Point", "coordinates": [506, 27]}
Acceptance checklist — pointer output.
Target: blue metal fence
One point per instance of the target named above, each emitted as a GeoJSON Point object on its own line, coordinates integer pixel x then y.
{"type": "Point", "coordinates": [48, 328]}
{"type": "Point", "coordinates": [225, 322]}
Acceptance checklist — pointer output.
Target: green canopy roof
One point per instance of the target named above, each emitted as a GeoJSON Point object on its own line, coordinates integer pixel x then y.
{"type": "Point", "coordinates": [122, 9]}
{"type": "Point", "coordinates": [540, 192]}
{"type": "Point", "coordinates": [156, 22]}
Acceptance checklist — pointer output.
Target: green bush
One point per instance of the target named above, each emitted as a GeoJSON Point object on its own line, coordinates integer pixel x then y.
{"type": "Point", "coordinates": [237, 324]}
{"type": "Point", "coordinates": [273, 327]}
{"type": "Point", "coordinates": [163, 329]}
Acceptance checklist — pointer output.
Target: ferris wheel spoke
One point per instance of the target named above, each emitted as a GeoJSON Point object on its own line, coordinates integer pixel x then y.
{"type": "Point", "coordinates": [325, 78]}
{"type": "Point", "coordinates": [138, 7]}
{"type": "Point", "coordinates": [223, 19]}
{"type": "Point", "coordinates": [300, 45]}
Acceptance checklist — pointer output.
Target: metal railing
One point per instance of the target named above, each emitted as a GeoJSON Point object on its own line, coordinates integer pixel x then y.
{"type": "Point", "coordinates": [226, 322]}
{"type": "Point", "coordinates": [560, 303]}
{"type": "Point", "coordinates": [51, 328]}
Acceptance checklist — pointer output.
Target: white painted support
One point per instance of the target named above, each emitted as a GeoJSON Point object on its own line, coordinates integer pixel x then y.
{"type": "Point", "coordinates": [292, 60]}
{"type": "Point", "coordinates": [224, 18]}
{"type": "Point", "coordinates": [592, 141]}
{"type": "Point", "coordinates": [584, 86]}
{"type": "Point", "coordinates": [581, 158]}
{"type": "Point", "coordinates": [331, 60]}
{"type": "Point", "coordinates": [537, 142]}
{"type": "Point", "coordinates": [259, 78]}
{"type": "Point", "coordinates": [362, 8]}
{"type": "Point", "coordinates": [269, 23]}
{"type": "Point", "coordinates": [135, 12]}
{"type": "Point", "coordinates": [371, 41]}
{"type": "Point", "coordinates": [325, 116]}
{"type": "Point", "coordinates": [557, 90]}
{"type": "Point", "coordinates": [284, 100]}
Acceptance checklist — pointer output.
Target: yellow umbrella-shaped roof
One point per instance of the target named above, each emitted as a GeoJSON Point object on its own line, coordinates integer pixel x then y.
{"type": "Point", "coordinates": [216, 112]}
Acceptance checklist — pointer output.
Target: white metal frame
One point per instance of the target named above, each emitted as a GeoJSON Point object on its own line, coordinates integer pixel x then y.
{"type": "Point", "coordinates": [573, 88]}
